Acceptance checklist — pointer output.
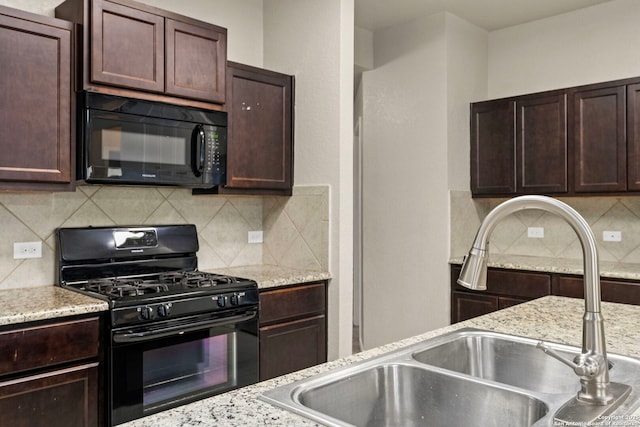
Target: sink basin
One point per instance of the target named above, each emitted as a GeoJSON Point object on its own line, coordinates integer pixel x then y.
{"type": "Point", "coordinates": [512, 360]}
{"type": "Point", "coordinates": [502, 360]}
{"type": "Point", "coordinates": [402, 395]}
{"type": "Point", "coordinates": [466, 377]}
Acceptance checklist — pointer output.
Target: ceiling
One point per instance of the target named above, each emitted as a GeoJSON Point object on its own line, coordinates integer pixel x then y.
{"type": "Point", "coordinates": [491, 15]}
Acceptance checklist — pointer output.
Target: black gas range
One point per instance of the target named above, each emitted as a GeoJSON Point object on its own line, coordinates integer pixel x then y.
{"type": "Point", "coordinates": [176, 334]}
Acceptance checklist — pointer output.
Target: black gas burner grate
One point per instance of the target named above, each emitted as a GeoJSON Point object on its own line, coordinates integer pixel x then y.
{"type": "Point", "coordinates": [156, 284]}
{"type": "Point", "coordinates": [125, 287]}
{"type": "Point", "coordinates": [195, 279]}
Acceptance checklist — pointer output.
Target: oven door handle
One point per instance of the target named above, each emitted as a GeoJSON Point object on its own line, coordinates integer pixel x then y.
{"type": "Point", "coordinates": [132, 337]}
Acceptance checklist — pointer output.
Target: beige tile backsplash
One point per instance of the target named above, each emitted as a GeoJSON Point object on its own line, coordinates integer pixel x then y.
{"type": "Point", "coordinates": [510, 236]}
{"type": "Point", "coordinates": [296, 228]}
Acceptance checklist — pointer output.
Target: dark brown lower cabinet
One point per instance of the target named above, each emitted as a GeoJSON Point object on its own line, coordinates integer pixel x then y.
{"type": "Point", "coordinates": [66, 397]}
{"type": "Point", "coordinates": [506, 288]}
{"type": "Point", "coordinates": [49, 374]}
{"type": "Point", "coordinates": [293, 326]}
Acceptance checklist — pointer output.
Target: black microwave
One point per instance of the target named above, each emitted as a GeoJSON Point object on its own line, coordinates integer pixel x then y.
{"type": "Point", "coordinates": [130, 141]}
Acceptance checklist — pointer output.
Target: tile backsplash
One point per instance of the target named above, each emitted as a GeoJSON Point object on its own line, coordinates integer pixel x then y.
{"type": "Point", "coordinates": [560, 241]}
{"type": "Point", "coordinates": [295, 228]}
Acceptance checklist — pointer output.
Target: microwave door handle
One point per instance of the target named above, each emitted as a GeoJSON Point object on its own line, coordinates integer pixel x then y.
{"type": "Point", "coordinates": [198, 145]}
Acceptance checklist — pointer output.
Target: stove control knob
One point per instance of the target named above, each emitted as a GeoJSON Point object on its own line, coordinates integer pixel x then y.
{"type": "Point", "coordinates": [221, 301]}
{"type": "Point", "coordinates": [164, 310]}
{"type": "Point", "coordinates": [145, 312]}
{"type": "Point", "coordinates": [234, 299]}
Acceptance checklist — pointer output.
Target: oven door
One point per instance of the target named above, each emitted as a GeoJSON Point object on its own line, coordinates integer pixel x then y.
{"type": "Point", "coordinates": [170, 363]}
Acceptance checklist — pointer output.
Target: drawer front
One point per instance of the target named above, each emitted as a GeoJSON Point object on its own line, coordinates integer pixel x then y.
{"type": "Point", "coordinates": [520, 284]}
{"type": "Point", "coordinates": [48, 345]}
{"type": "Point", "coordinates": [510, 283]}
{"type": "Point", "coordinates": [287, 303]}
{"type": "Point", "coordinates": [610, 290]}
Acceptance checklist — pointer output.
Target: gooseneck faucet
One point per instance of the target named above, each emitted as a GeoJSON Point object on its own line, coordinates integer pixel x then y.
{"type": "Point", "coordinates": [591, 366]}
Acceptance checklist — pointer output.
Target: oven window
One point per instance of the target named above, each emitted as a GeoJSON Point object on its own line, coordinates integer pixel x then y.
{"type": "Point", "coordinates": [182, 369]}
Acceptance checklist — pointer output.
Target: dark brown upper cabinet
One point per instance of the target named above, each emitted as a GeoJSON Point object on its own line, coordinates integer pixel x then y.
{"type": "Point", "coordinates": [36, 132]}
{"type": "Point", "coordinates": [493, 148]}
{"type": "Point", "coordinates": [260, 132]}
{"type": "Point", "coordinates": [131, 49]}
{"type": "Point", "coordinates": [600, 143]}
{"type": "Point", "coordinates": [519, 146]}
{"type": "Point", "coordinates": [633, 137]}
{"type": "Point", "coordinates": [582, 140]}
{"type": "Point", "coordinates": [541, 144]}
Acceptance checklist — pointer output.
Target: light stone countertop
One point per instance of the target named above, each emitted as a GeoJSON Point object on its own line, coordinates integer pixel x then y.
{"type": "Point", "coordinates": [44, 302]}
{"type": "Point", "coordinates": [615, 270]}
{"type": "Point", "coordinates": [551, 318]}
{"type": "Point", "coordinates": [272, 276]}
{"type": "Point", "coordinates": [28, 304]}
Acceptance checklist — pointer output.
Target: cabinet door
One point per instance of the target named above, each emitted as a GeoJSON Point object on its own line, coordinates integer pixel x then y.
{"type": "Point", "coordinates": [599, 135]}
{"type": "Point", "coordinates": [291, 346]}
{"type": "Point", "coordinates": [466, 305]}
{"type": "Point", "coordinates": [36, 136]}
{"type": "Point", "coordinates": [633, 137]}
{"type": "Point", "coordinates": [541, 144]}
{"type": "Point", "coordinates": [260, 134]}
{"type": "Point", "coordinates": [127, 47]}
{"type": "Point", "coordinates": [66, 398]}
{"type": "Point", "coordinates": [196, 61]}
{"type": "Point", "coordinates": [493, 148]}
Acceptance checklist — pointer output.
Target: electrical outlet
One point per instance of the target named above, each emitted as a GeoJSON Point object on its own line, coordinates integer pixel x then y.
{"type": "Point", "coordinates": [535, 232]}
{"type": "Point", "coordinates": [255, 236]}
{"type": "Point", "coordinates": [612, 236]}
{"type": "Point", "coordinates": [23, 250]}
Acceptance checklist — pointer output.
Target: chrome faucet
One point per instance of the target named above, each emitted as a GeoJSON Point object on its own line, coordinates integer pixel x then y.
{"type": "Point", "coordinates": [597, 395]}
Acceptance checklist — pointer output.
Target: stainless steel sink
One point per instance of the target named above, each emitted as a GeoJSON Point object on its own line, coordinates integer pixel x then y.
{"type": "Point", "coordinates": [404, 395]}
{"type": "Point", "coordinates": [467, 377]}
{"type": "Point", "coordinates": [503, 360]}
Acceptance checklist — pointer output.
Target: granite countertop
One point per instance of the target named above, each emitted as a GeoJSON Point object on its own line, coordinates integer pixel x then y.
{"type": "Point", "coordinates": [21, 305]}
{"type": "Point", "coordinates": [44, 302]}
{"type": "Point", "coordinates": [272, 276]}
{"type": "Point", "coordinates": [614, 270]}
{"type": "Point", "coordinates": [551, 318]}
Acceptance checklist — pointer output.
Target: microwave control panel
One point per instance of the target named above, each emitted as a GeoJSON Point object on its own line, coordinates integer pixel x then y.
{"type": "Point", "coordinates": [216, 150]}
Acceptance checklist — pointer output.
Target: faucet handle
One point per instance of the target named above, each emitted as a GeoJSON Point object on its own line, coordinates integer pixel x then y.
{"type": "Point", "coordinates": [588, 366]}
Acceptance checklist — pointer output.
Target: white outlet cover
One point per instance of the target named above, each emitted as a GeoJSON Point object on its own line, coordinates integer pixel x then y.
{"type": "Point", "coordinates": [535, 232]}
{"type": "Point", "coordinates": [612, 236]}
{"type": "Point", "coordinates": [255, 236]}
{"type": "Point", "coordinates": [23, 250]}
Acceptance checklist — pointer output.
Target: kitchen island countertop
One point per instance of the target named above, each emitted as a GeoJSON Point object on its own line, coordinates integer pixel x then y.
{"type": "Point", "coordinates": [551, 318]}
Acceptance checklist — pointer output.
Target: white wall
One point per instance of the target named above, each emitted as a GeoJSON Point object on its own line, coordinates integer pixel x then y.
{"type": "Point", "coordinates": [586, 46]}
{"type": "Point", "coordinates": [466, 79]}
{"type": "Point", "coordinates": [405, 182]}
{"type": "Point", "coordinates": [314, 41]}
